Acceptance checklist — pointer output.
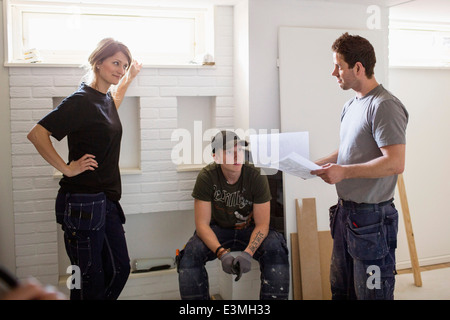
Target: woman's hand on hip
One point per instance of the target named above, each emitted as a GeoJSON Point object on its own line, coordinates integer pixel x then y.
{"type": "Point", "coordinates": [85, 163]}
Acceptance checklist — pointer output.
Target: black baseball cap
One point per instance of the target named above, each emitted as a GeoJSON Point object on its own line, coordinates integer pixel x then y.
{"type": "Point", "coordinates": [226, 139]}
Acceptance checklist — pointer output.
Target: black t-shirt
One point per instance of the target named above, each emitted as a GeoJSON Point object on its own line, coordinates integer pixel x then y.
{"type": "Point", "coordinates": [232, 204]}
{"type": "Point", "coordinates": [91, 123]}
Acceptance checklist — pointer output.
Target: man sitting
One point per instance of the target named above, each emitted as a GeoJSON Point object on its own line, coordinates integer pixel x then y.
{"type": "Point", "coordinates": [232, 213]}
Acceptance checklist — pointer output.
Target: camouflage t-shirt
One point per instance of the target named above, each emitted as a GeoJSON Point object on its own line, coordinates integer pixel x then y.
{"type": "Point", "coordinates": [231, 204]}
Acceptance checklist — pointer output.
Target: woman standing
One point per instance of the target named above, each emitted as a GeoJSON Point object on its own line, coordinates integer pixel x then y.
{"type": "Point", "coordinates": [87, 204]}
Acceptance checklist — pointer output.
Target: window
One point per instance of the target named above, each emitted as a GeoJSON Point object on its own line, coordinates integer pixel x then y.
{"type": "Point", "coordinates": [419, 45]}
{"type": "Point", "coordinates": [62, 33]}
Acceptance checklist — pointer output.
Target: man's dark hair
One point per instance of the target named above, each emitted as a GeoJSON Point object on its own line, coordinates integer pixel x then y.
{"type": "Point", "coordinates": [355, 49]}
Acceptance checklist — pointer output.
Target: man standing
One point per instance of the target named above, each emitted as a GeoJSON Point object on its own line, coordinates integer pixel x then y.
{"type": "Point", "coordinates": [232, 213]}
{"type": "Point", "coordinates": [371, 154]}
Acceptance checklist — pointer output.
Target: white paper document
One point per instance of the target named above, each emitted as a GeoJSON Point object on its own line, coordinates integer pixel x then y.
{"type": "Point", "coordinates": [296, 165]}
{"type": "Point", "coordinates": [283, 152]}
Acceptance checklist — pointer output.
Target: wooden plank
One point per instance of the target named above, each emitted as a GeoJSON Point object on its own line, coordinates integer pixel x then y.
{"type": "Point", "coordinates": [295, 266]}
{"type": "Point", "coordinates": [326, 248]}
{"type": "Point", "coordinates": [308, 243]}
{"type": "Point", "coordinates": [409, 231]}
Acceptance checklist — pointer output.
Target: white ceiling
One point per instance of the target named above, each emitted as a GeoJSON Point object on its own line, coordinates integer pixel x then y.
{"type": "Point", "coordinates": [422, 10]}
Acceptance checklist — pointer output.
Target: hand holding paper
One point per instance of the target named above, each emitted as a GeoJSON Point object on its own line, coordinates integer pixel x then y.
{"type": "Point", "coordinates": [330, 173]}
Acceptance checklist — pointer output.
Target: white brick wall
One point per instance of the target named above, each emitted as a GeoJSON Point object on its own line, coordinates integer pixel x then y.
{"type": "Point", "coordinates": [158, 188]}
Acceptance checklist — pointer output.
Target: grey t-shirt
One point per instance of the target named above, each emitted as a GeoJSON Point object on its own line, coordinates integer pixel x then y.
{"type": "Point", "coordinates": [376, 120]}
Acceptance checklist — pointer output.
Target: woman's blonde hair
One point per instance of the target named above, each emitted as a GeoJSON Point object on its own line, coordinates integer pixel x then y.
{"type": "Point", "coordinates": [106, 48]}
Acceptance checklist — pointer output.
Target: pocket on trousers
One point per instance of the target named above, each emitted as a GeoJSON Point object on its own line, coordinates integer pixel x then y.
{"type": "Point", "coordinates": [368, 242]}
{"type": "Point", "coordinates": [85, 211]}
{"type": "Point", "coordinates": [391, 222]}
{"type": "Point", "coordinates": [79, 250]}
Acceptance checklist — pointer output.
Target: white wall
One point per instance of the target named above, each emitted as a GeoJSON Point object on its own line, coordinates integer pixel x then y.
{"type": "Point", "coordinates": [426, 95]}
{"type": "Point", "coordinates": [241, 65]}
{"type": "Point", "coordinates": [265, 16]}
{"type": "Point", "coordinates": [7, 254]}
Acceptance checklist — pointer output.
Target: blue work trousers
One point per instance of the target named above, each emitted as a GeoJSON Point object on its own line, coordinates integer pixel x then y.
{"type": "Point", "coordinates": [95, 242]}
{"type": "Point", "coordinates": [272, 256]}
{"type": "Point", "coordinates": [363, 259]}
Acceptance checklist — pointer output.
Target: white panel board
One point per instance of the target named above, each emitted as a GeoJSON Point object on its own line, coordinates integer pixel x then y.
{"type": "Point", "coordinates": [311, 100]}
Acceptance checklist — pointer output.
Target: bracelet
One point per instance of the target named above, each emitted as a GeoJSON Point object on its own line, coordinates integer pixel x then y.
{"type": "Point", "coordinates": [222, 252]}
{"type": "Point", "coordinates": [217, 250]}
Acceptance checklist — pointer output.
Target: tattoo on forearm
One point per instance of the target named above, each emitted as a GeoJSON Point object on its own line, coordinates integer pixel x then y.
{"type": "Point", "coordinates": [259, 237]}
